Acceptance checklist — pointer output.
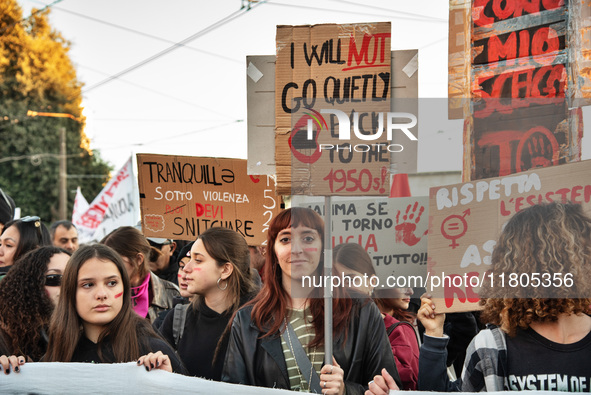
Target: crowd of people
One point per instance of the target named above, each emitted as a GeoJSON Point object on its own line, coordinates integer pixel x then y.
{"type": "Point", "coordinates": [219, 309]}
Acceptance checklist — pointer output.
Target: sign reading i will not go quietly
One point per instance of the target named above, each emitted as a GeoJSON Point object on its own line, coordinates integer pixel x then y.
{"type": "Point", "coordinates": [332, 110]}
{"type": "Point", "coordinates": [392, 231]}
{"type": "Point", "coordinates": [465, 221]}
{"type": "Point", "coordinates": [182, 196]}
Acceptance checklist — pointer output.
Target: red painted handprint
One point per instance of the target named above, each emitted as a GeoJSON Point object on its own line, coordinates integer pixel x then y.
{"type": "Point", "coordinates": [405, 231]}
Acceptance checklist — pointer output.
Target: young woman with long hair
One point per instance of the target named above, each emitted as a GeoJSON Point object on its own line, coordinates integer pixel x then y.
{"type": "Point", "coordinates": [354, 264]}
{"type": "Point", "coordinates": [150, 294]}
{"type": "Point", "coordinates": [94, 320]}
{"type": "Point", "coordinates": [286, 317]}
{"type": "Point", "coordinates": [540, 337]}
{"type": "Point", "coordinates": [19, 237]}
{"type": "Point", "coordinates": [28, 295]}
{"type": "Point", "coordinates": [219, 276]}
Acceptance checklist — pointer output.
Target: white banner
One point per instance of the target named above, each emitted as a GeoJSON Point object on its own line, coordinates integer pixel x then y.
{"type": "Point", "coordinates": [128, 378]}
{"type": "Point", "coordinates": [116, 205]}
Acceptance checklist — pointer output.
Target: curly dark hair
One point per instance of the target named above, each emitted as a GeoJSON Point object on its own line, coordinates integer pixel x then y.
{"type": "Point", "coordinates": [546, 238]}
{"type": "Point", "coordinates": [25, 308]}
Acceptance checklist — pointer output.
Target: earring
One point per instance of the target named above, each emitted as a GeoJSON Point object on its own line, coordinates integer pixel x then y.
{"type": "Point", "coordinates": [220, 288]}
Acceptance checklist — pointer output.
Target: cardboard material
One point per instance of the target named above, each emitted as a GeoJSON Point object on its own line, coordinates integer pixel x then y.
{"type": "Point", "coordinates": [392, 231]}
{"type": "Point", "coordinates": [523, 52]}
{"type": "Point", "coordinates": [317, 67]}
{"type": "Point", "coordinates": [182, 196]}
{"type": "Point", "coordinates": [260, 106]}
{"type": "Point", "coordinates": [261, 119]}
{"type": "Point", "coordinates": [465, 221]}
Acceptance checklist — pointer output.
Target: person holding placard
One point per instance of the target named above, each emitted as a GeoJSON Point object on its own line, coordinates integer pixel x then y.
{"type": "Point", "coordinates": [539, 337]}
{"type": "Point", "coordinates": [277, 340]}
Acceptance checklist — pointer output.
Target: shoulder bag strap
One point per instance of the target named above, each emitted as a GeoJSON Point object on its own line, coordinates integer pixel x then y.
{"type": "Point", "coordinates": [302, 359]}
{"type": "Point", "coordinates": [178, 322]}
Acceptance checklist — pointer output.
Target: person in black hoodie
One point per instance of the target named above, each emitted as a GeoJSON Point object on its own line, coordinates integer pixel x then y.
{"type": "Point", "coordinates": [219, 275]}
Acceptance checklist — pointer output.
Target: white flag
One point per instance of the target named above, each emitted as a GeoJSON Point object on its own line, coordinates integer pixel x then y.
{"type": "Point", "coordinates": [116, 205]}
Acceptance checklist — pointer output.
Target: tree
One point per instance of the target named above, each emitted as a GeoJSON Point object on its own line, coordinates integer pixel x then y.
{"type": "Point", "coordinates": [36, 74]}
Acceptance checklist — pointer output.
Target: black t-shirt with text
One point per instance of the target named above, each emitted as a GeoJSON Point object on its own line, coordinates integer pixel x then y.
{"type": "Point", "coordinates": [536, 363]}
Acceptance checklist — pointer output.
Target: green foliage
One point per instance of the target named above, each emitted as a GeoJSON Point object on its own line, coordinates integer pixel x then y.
{"type": "Point", "coordinates": [36, 74]}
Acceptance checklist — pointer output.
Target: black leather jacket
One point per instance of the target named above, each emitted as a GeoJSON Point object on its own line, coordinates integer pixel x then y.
{"type": "Point", "coordinates": [254, 361]}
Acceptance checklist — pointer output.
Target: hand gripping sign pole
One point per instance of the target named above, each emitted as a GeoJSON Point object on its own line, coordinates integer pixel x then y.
{"type": "Point", "coordinates": [327, 273]}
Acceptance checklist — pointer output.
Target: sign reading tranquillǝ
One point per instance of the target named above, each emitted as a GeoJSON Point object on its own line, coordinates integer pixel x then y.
{"type": "Point", "coordinates": [181, 197]}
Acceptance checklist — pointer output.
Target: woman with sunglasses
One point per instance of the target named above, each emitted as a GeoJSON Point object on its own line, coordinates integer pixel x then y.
{"type": "Point", "coordinates": [19, 237]}
{"type": "Point", "coordinates": [94, 320]}
{"type": "Point", "coordinates": [28, 296]}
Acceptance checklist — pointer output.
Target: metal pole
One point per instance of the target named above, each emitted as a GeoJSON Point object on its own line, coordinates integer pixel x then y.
{"type": "Point", "coordinates": [63, 174]}
{"type": "Point", "coordinates": [327, 272]}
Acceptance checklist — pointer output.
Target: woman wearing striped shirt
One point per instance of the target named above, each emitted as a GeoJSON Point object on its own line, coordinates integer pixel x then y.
{"type": "Point", "coordinates": [262, 344]}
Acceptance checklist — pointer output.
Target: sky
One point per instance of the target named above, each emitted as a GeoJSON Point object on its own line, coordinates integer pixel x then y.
{"type": "Point", "coordinates": [144, 93]}
{"type": "Point", "coordinates": [191, 100]}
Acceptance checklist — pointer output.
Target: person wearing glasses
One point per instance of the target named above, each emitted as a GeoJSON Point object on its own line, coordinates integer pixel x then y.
{"type": "Point", "coordinates": [19, 237]}
{"type": "Point", "coordinates": [150, 294]}
{"type": "Point", "coordinates": [28, 295]}
{"type": "Point", "coordinates": [164, 264]}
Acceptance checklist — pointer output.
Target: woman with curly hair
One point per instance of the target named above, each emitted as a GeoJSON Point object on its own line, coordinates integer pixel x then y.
{"type": "Point", "coordinates": [28, 295]}
{"type": "Point", "coordinates": [540, 337]}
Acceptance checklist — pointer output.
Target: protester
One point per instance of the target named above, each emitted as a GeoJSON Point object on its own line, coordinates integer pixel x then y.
{"type": "Point", "coordinates": [261, 349]}
{"type": "Point", "coordinates": [540, 337]}
{"type": "Point", "coordinates": [7, 208]}
{"type": "Point", "coordinates": [257, 258]}
{"type": "Point", "coordinates": [65, 235]}
{"type": "Point", "coordinates": [150, 294]}
{"type": "Point", "coordinates": [393, 303]}
{"type": "Point", "coordinates": [164, 265]}
{"type": "Point", "coordinates": [28, 295]}
{"type": "Point", "coordinates": [94, 320]}
{"type": "Point", "coordinates": [183, 258]}
{"type": "Point", "coordinates": [19, 237]}
{"type": "Point", "coordinates": [354, 267]}
{"type": "Point", "coordinates": [218, 273]}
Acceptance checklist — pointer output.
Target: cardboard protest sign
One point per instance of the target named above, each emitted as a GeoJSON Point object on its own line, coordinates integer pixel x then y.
{"type": "Point", "coordinates": [183, 196]}
{"type": "Point", "coordinates": [392, 231]}
{"type": "Point", "coordinates": [260, 84]}
{"type": "Point", "coordinates": [466, 219]}
{"type": "Point", "coordinates": [517, 66]}
{"type": "Point", "coordinates": [334, 131]}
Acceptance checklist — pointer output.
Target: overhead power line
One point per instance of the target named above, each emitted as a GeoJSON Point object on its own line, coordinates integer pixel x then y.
{"type": "Point", "coordinates": [410, 14]}
{"type": "Point", "coordinates": [144, 34]}
{"type": "Point", "coordinates": [180, 44]}
{"type": "Point", "coordinates": [333, 10]}
{"type": "Point", "coordinates": [29, 17]}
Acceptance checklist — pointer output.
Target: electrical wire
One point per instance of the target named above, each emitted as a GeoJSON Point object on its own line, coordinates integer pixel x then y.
{"type": "Point", "coordinates": [160, 93]}
{"type": "Point", "coordinates": [411, 14]}
{"type": "Point", "coordinates": [167, 137]}
{"type": "Point", "coordinates": [332, 10]}
{"type": "Point", "coordinates": [29, 17]}
{"type": "Point", "coordinates": [177, 45]}
{"type": "Point", "coordinates": [127, 29]}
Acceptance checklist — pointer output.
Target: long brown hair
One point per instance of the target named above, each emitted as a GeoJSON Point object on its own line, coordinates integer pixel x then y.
{"type": "Point", "coordinates": [546, 238]}
{"type": "Point", "coordinates": [270, 306]}
{"type": "Point", "coordinates": [129, 242]}
{"type": "Point", "coordinates": [126, 331]}
{"type": "Point", "coordinates": [226, 245]}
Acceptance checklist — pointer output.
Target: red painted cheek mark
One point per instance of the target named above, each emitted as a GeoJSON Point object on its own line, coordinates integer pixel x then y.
{"type": "Point", "coordinates": [118, 295]}
{"type": "Point", "coordinates": [198, 269]}
{"type": "Point", "coordinates": [180, 276]}
{"type": "Point", "coordinates": [310, 249]}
